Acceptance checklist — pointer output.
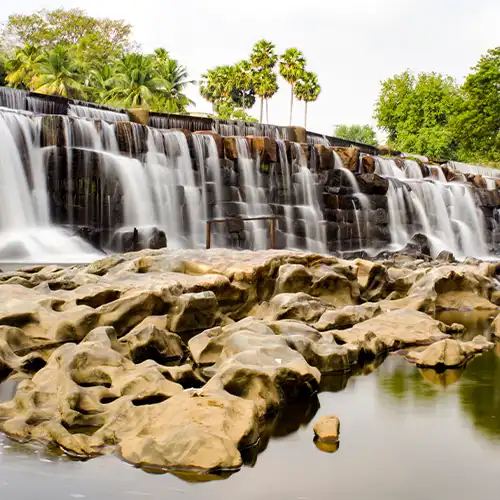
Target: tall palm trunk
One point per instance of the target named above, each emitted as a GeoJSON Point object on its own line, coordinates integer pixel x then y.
{"type": "Point", "coordinates": [291, 103]}
{"type": "Point", "coordinates": [261, 109]}
{"type": "Point", "coordinates": [267, 111]}
{"type": "Point", "coordinates": [305, 117]}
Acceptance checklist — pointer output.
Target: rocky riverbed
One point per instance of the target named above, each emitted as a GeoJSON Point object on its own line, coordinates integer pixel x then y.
{"type": "Point", "coordinates": [176, 359]}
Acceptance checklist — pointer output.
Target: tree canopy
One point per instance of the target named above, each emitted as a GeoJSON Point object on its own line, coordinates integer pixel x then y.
{"type": "Point", "coordinates": [99, 40]}
{"type": "Point", "coordinates": [357, 133]}
{"type": "Point", "coordinates": [71, 54]}
{"type": "Point", "coordinates": [417, 112]}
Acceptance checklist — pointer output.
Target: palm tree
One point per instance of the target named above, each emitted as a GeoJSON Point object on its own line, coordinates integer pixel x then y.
{"type": "Point", "coordinates": [57, 73]}
{"type": "Point", "coordinates": [135, 82]}
{"type": "Point", "coordinates": [216, 84]}
{"type": "Point", "coordinates": [100, 82]}
{"type": "Point", "coordinates": [263, 60]}
{"type": "Point", "coordinates": [171, 84]}
{"type": "Point", "coordinates": [292, 64]}
{"type": "Point", "coordinates": [242, 92]}
{"type": "Point", "coordinates": [307, 89]}
{"type": "Point", "coordinates": [22, 68]}
{"type": "Point", "coordinates": [266, 85]}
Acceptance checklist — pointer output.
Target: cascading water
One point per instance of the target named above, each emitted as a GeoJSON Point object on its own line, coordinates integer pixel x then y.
{"type": "Point", "coordinates": [79, 111]}
{"type": "Point", "coordinates": [309, 209]}
{"type": "Point", "coordinates": [361, 212]}
{"type": "Point", "coordinates": [26, 233]}
{"type": "Point", "coordinates": [444, 212]}
{"type": "Point", "coordinates": [255, 203]}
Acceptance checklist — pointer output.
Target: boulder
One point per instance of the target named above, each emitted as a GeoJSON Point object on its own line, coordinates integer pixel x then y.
{"type": "Point", "coordinates": [264, 148]}
{"type": "Point", "coordinates": [193, 312]}
{"type": "Point", "coordinates": [298, 306]}
{"type": "Point", "coordinates": [327, 429]}
{"type": "Point", "coordinates": [372, 184]}
{"type": "Point", "coordinates": [347, 316]}
{"type": "Point", "coordinates": [368, 164]}
{"type": "Point", "coordinates": [449, 353]}
{"type": "Point", "coordinates": [149, 342]}
{"type": "Point", "coordinates": [392, 330]}
{"type": "Point", "coordinates": [349, 157]}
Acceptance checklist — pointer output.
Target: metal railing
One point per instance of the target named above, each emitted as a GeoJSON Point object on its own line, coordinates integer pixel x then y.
{"type": "Point", "coordinates": [272, 227]}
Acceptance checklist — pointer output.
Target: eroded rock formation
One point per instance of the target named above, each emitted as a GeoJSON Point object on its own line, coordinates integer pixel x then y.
{"type": "Point", "coordinates": [176, 359]}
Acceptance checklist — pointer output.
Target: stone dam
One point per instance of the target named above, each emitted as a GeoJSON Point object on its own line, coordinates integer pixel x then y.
{"type": "Point", "coordinates": [79, 179]}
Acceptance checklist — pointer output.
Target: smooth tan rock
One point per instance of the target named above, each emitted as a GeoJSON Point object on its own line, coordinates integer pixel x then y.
{"type": "Point", "coordinates": [347, 316]}
{"type": "Point", "coordinates": [449, 353]}
{"type": "Point", "coordinates": [327, 429]}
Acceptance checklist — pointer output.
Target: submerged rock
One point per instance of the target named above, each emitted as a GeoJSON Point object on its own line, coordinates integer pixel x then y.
{"type": "Point", "coordinates": [449, 353]}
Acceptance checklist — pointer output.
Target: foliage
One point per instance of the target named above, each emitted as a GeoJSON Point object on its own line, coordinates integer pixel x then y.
{"type": "Point", "coordinates": [263, 60]}
{"type": "Point", "coordinates": [357, 133]}
{"type": "Point", "coordinates": [99, 40]}
{"type": "Point", "coordinates": [292, 67]}
{"type": "Point", "coordinates": [477, 126]}
{"type": "Point", "coordinates": [21, 69]}
{"type": "Point", "coordinates": [230, 89]}
{"type": "Point", "coordinates": [3, 70]}
{"type": "Point", "coordinates": [71, 54]}
{"type": "Point", "coordinates": [307, 89]}
{"type": "Point", "coordinates": [417, 112]}
{"type": "Point", "coordinates": [57, 73]}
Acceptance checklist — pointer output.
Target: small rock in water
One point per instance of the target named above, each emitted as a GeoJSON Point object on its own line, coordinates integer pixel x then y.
{"type": "Point", "coordinates": [327, 429]}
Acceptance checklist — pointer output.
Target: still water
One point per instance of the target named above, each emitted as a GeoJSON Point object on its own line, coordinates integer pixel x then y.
{"type": "Point", "coordinates": [405, 434]}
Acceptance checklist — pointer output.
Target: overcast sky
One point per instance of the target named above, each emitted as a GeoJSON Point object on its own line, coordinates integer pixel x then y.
{"type": "Point", "coordinates": [351, 44]}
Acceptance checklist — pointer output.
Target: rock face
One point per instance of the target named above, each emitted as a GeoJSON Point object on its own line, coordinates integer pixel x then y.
{"type": "Point", "coordinates": [449, 353]}
{"type": "Point", "coordinates": [327, 429]}
{"type": "Point", "coordinates": [176, 359]}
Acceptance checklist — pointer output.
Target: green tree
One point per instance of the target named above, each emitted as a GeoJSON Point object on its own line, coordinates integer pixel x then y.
{"type": "Point", "coordinates": [134, 83]}
{"type": "Point", "coordinates": [418, 113]}
{"type": "Point", "coordinates": [171, 84]}
{"type": "Point", "coordinates": [229, 88]}
{"type": "Point", "coordinates": [21, 69]}
{"type": "Point", "coordinates": [307, 89]}
{"type": "Point", "coordinates": [100, 39]}
{"type": "Point", "coordinates": [292, 66]}
{"type": "Point", "coordinates": [57, 73]}
{"type": "Point", "coordinates": [263, 59]}
{"type": "Point", "coordinates": [100, 83]}
{"type": "Point", "coordinates": [3, 71]}
{"type": "Point", "coordinates": [357, 133]}
{"type": "Point", "coordinates": [477, 127]}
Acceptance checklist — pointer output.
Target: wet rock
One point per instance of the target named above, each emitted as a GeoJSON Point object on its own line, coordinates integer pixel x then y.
{"type": "Point", "coordinates": [134, 239]}
{"type": "Point", "coordinates": [327, 429]}
{"type": "Point", "coordinates": [392, 330]}
{"type": "Point", "coordinates": [445, 256]}
{"type": "Point", "coordinates": [193, 312]}
{"type": "Point", "coordinates": [216, 137]}
{"type": "Point", "coordinates": [368, 164]}
{"type": "Point", "coordinates": [347, 316]}
{"type": "Point", "coordinates": [298, 306]}
{"type": "Point", "coordinates": [449, 353]}
{"type": "Point", "coordinates": [149, 342]}
{"type": "Point", "coordinates": [264, 148]}
{"type": "Point", "coordinates": [372, 184]}
{"type": "Point", "coordinates": [293, 278]}
{"type": "Point", "coordinates": [138, 115]}
{"type": "Point", "coordinates": [349, 157]}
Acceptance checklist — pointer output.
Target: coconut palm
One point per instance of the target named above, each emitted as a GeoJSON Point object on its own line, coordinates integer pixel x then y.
{"type": "Point", "coordinates": [135, 82]}
{"type": "Point", "coordinates": [57, 73]}
{"type": "Point", "coordinates": [307, 89]}
{"type": "Point", "coordinates": [292, 64]}
{"type": "Point", "coordinates": [263, 60]}
{"type": "Point", "coordinates": [171, 84]}
{"type": "Point", "coordinates": [21, 69]}
{"type": "Point", "coordinates": [241, 80]}
{"type": "Point", "coordinates": [100, 82]}
{"type": "Point", "coordinates": [265, 85]}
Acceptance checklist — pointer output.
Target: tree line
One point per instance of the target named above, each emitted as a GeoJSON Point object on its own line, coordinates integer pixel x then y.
{"type": "Point", "coordinates": [233, 89]}
{"type": "Point", "coordinates": [430, 114]}
{"type": "Point", "coordinates": [70, 54]}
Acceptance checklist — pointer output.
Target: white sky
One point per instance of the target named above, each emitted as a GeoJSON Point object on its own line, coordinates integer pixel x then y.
{"type": "Point", "coordinates": [351, 44]}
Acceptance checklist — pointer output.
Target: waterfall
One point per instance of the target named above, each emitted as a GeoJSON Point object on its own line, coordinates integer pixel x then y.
{"type": "Point", "coordinates": [309, 208]}
{"type": "Point", "coordinates": [78, 111]}
{"type": "Point", "coordinates": [26, 232]}
{"type": "Point", "coordinates": [444, 212]}
{"type": "Point", "coordinates": [364, 203]}
{"type": "Point", "coordinates": [255, 203]}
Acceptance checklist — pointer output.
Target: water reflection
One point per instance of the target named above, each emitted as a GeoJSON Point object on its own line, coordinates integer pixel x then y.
{"type": "Point", "coordinates": [475, 388]}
